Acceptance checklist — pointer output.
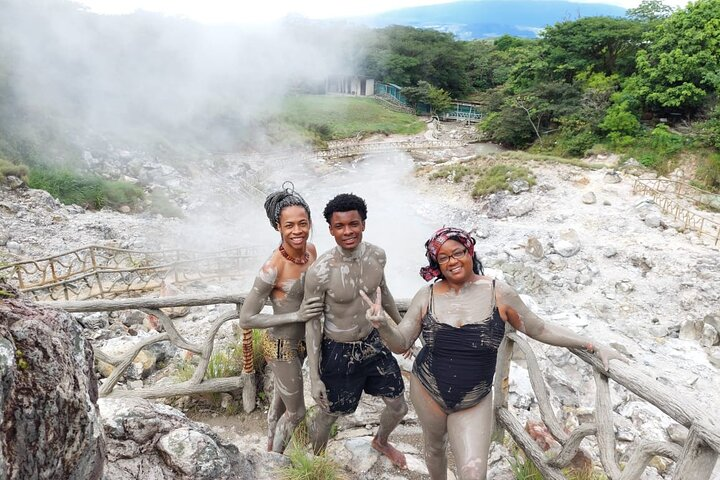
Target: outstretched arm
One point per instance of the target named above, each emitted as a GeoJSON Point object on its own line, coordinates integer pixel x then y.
{"type": "Point", "coordinates": [515, 312]}
{"type": "Point", "coordinates": [313, 337]}
{"type": "Point", "coordinates": [250, 316]}
{"type": "Point", "coordinates": [398, 337]}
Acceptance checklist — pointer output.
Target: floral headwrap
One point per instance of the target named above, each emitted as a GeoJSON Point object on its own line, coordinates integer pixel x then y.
{"type": "Point", "coordinates": [437, 240]}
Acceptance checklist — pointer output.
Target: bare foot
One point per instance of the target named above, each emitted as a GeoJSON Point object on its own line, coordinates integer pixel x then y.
{"type": "Point", "coordinates": [392, 453]}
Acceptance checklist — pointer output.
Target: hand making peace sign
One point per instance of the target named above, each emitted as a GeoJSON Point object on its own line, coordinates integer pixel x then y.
{"type": "Point", "coordinates": [375, 314]}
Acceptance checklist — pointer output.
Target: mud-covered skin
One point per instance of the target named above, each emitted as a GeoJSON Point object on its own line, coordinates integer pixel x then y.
{"type": "Point", "coordinates": [337, 276]}
{"type": "Point", "coordinates": [280, 280]}
{"type": "Point", "coordinates": [464, 298]}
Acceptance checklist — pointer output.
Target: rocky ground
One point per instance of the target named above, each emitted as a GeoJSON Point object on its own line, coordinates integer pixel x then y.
{"type": "Point", "coordinates": [582, 248]}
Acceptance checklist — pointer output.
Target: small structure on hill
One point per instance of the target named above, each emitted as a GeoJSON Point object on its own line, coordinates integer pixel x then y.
{"type": "Point", "coordinates": [350, 85]}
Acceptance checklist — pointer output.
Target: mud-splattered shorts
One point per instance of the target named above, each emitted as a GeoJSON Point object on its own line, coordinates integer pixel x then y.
{"type": "Point", "coordinates": [348, 369]}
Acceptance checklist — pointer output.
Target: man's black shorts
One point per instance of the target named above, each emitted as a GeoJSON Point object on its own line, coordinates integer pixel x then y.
{"type": "Point", "coordinates": [348, 369]}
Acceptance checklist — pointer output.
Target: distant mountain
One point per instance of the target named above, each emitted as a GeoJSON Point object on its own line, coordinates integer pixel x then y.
{"type": "Point", "coordinates": [490, 18]}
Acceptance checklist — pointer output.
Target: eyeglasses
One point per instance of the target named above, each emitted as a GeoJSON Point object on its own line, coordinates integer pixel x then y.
{"type": "Point", "coordinates": [457, 255]}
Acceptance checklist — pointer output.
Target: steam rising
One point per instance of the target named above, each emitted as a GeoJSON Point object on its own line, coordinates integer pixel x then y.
{"type": "Point", "coordinates": [146, 78]}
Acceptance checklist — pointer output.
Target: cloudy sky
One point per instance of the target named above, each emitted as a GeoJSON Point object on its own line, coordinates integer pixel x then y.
{"type": "Point", "coordinates": [233, 11]}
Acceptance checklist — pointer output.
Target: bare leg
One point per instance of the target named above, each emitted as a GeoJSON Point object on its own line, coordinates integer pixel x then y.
{"type": "Point", "coordinates": [320, 429]}
{"type": "Point", "coordinates": [277, 408]}
{"type": "Point", "coordinates": [394, 411]}
{"type": "Point", "coordinates": [434, 426]}
{"type": "Point", "coordinates": [289, 386]}
{"type": "Point", "coordinates": [470, 432]}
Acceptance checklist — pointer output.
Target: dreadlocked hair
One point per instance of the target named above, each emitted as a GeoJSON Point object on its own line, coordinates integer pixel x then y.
{"type": "Point", "coordinates": [345, 202]}
{"type": "Point", "coordinates": [277, 201]}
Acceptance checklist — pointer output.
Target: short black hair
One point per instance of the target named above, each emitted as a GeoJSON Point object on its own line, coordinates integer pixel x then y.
{"type": "Point", "coordinates": [345, 202]}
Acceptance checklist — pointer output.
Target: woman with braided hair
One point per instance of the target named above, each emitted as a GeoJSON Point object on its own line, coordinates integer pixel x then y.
{"type": "Point", "coordinates": [462, 318]}
{"type": "Point", "coordinates": [281, 280]}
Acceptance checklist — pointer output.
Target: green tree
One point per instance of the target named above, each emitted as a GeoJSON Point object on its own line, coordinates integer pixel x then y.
{"type": "Point", "coordinates": [599, 44]}
{"type": "Point", "coordinates": [680, 66]}
{"type": "Point", "coordinates": [406, 55]}
{"type": "Point", "coordinates": [437, 98]}
{"type": "Point", "coordinates": [650, 11]}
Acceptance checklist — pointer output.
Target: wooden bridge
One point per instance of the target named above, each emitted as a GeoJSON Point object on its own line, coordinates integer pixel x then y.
{"type": "Point", "coordinates": [676, 198]}
{"type": "Point", "coordinates": [694, 459]}
{"type": "Point", "coordinates": [366, 148]}
{"type": "Point", "coordinates": [461, 111]}
{"type": "Point", "coordinates": [97, 271]}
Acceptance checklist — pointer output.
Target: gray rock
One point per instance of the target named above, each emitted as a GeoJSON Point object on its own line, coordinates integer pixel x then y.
{"type": "Point", "coordinates": [677, 433]}
{"type": "Point", "coordinates": [519, 186]}
{"type": "Point", "coordinates": [49, 390]}
{"type": "Point", "coordinates": [624, 286]}
{"type": "Point", "coordinates": [691, 329]}
{"type": "Point", "coordinates": [93, 321]}
{"type": "Point", "coordinates": [713, 320]}
{"type": "Point", "coordinates": [659, 331]}
{"type": "Point", "coordinates": [14, 247]}
{"type": "Point", "coordinates": [612, 177]}
{"type": "Point", "coordinates": [14, 182]}
{"type": "Point", "coordinates": [589, 198]}
{"type": "Point", "coordinates": [534, 248]}
{"type": "Point", "coordinates": [568, 243]}
{"type": "Point", "coordinates": [709, 336]}
{"type": "Point", "coordinates": [653, 220]}
{"type": "Point", "coordinates": [609, 252]}
{"type": "Point", "coordinates": [4, 238]}
{"type": "Point", "coordinates": [714, 356]}
{"type": "Point", "coordinates": [149, 440]}
{"type": "Point", "coordinates": [521, 207]}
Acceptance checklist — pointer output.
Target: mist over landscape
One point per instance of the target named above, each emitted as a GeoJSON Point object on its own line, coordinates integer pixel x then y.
{"type": "Point", "coordinates": [77, 79]}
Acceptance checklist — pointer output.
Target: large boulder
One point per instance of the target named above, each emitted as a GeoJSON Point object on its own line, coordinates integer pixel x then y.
{"type": "Point", "coordinates": [157, 442]}
{"type": "Point", "coordinates": [50, 425]}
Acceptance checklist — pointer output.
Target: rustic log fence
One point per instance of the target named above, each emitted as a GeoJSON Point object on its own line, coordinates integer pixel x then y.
{"type": "Point", "coordinates": [197, 383]}
{"type": "Point", "coordinates": [673, 197]}
{"type": "Point", "coordinates": [364, 148]}
{"type": "Point", "coordinates": [106, 272]}
{"type": "Point", "coordinates": [694, 460]}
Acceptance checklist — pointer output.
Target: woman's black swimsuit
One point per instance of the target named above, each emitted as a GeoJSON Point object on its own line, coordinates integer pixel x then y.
{"type": "Point", "coordinates": [457, 364]}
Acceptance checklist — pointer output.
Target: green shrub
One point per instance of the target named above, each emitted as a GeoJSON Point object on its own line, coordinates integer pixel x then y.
{"type": "Point", "coordinates": [9, 169]}
{"type": "Point", "coordinates": [305, 466]}
{"type": "Point", "coordinates": [620, 122]}
{"type": "Point", "coordinates": [708, 172]}
{"type": "Point", "coordinates": [499, 177]}
{"type": "Point", "coordinates": [87, 190]}
{"type": "Point", "coordinates": [161, 204]}
{"type": "Point", "coordinates": [664, 141]}
{"type": "Point", "coordinates": [454, 173]}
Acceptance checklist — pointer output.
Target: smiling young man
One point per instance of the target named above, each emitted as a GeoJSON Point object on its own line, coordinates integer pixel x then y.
{"type": "Point", "coordinates": [345, 354]}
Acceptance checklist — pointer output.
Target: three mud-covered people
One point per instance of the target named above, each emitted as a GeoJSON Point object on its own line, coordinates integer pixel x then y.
{"type": "Point", "coordinates": [461, 318]}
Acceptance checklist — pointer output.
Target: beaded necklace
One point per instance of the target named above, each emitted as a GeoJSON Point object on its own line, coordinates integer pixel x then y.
{"type": "Point", "coordinates": [297, 261]}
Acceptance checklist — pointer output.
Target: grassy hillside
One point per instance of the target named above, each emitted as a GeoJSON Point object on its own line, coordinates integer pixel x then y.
{"type": "Point", "coordinates": [324, 118]}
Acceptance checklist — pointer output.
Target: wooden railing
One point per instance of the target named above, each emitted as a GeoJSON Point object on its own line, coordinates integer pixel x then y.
{"type": "Point", "coordinates": [672, 197]}
{"type": "Point", "coordinates": [106, 272]}
{"type": "Point", "coordinates": [694, 460]}
{"type": "Point", "coordinates": [197, 383]}
{"type": "Point", "coordinates": [363, 148]}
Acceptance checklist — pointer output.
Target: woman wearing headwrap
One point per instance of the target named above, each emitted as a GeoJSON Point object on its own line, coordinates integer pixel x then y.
{"type": "Point", "coordinates": [280, 280]}
{"type": "Point", "coordinates": [461, 318]}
